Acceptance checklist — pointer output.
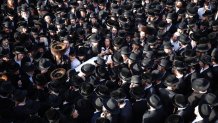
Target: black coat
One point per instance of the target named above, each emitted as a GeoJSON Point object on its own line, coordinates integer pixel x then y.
{"type": "Point", "coordinates": [155, 116]}
{"type": "Point", "coordinates": [138, 109]}
{"type": "Point", "coordinates": [6, 109]}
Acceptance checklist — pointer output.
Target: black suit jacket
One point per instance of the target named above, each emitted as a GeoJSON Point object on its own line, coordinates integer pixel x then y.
{"type": "Point", "coordinates": [138, 109]}
{"type": "Point", "coordinates": [156, 116]}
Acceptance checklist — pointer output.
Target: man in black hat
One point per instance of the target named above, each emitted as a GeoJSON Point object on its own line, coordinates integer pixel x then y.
{"type": "Point", "coordinates": [156, 110]}
{"type": "Point", "coordinates": [205, 70]}
{"type": "Point", "coordinates": [6, 104]}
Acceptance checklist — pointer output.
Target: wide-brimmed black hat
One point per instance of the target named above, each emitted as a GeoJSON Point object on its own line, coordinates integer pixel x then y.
{"type": "Point", "coordinates": [112, 106]}
{"type": "Point", "coordinates": [6, 88]}
{"type": "Point", "coordinates": [136, 79]}
{"type": "Point", "coordinates": [58, 75]}
{"type": "Point", "coordinates": [112, 23]}
{"type": "Point", "coordinates": [137, 92]}
{"type": "Point", "coordinates": [200, 84]}
{"type": "Point", "coordinates": [195, 35]}
{"type": "Point", "coordinates": [202, 48]}
{"type": "Point", "coordinates": [28, 67]}
{"type": "Point", "coordinates": [192, 11]}
{"type": "Point", "coordinates": [179, 65]}
{"type": "Point", "coordinates": [100, 61]}
{"type": "Point", "coordinates": [136, 68]}
{"type": "Point", "coordinates": [75, 81]}
{"type": "Point", "coordinates": [20, 95]}
{"type": "Point", "coordinates": [118, 94]}
{"type": "Point", "coordinates": [171, 80]}
{"type": "Point", "coordinates": [206, 59]}
{"type": "Point", "coordinates": [20, 50]}
{"type": "Point", "coordinates": [86, 89]}
{"type": "Point", "coordinates": [136, 41]}
{"type": "Point", "coordinates": [167, 45]}
{"type": "Point", "coordinates": [118, 42]}
{"type": "Point", "coordinates": [125, 74]}
{"type": "Point", "coordinates": [102, 91]}
{"type": "Point", "coordinates": [133, 56]}
{"type": "Point", "coordinates": [156, 75]}
{"type": "Point", "coordinates": [88, 68]}
{"type": "Point", "coordinates": [164, 63]}
{"type": "Point", "coordinates": [117, 58]}
{"type": "Point", "coordinates": [184, 39]}
{"type": "Point", "coordinates": [101, 72]}
{"type": "Point", "coordinates": [52, 114]}
{"type": "Point", "coordinates": [147, 63]}
{"type": "Point", "coordinates": [211, 99]}
{"type": "Point", "coordinates": [40, 79]}
{"type": "Point", "coordinates": [94, 38]}
{"type": "Point", "coordinates": [151, 40]}
{"type": "Point", "coordinates": [179, 101]}
{"type": "Point", "coordinates": [182, 25]}
{"type": "Point", "coordinates": [174, 118]}
{"type": "Point", "coordinates": [204, 110]}
{"type": "Point", "coordinates": [192, 61]}
{"type": "Point", "coordinates": [125, 50]}
{"type": "Point", "coordinates": [154, 101]}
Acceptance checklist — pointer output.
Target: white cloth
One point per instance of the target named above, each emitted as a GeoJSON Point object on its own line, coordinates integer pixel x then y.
{"type": "Point", "coordinates": [90, 61]}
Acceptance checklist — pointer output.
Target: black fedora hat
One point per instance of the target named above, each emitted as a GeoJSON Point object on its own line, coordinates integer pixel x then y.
{"type": "Point", "coordinates": [204, 110]}
{"type": "Point", "coordinates": [20, 95]}
{"type": "Point", "coordinates": [100, 61]}
{"type": "Point", "coordinates": [171, 80]}
{"type": "Point", "coordinates": [28, 67]}
{"type": "Point", "coordinates": [147, 63]}
{"type": "Point", "coordinates": [136, 41]}
{"type": "Point", "coordinates": [88, 68]}
{"type": "Point", "coordinates": [192, 11]}
{"type": "Point", "coordinates": [118, 94]}
{"type": "Point", "coordinates": [20, 50]}
{"type": "Point", "coordinates": [98, 103]}
{"type": "Point", "coordinates": [206, 59]}
{"type": "Point", "coordinates": [75, 81]}
{"type": "Point", "coordinates": [112, 106]}
{"type": "Point", "coordinates": [136, 79]}
{"type": "Point", "coordinates": [137, 92]}
{"type": "Point", "coordinates": [167, 45]}
{"type": "Point", "coordinates": [117, 58]}
{"type": "Point", "coordinates": [154, 101]}
{"type": "Point", "coordinates": [202, 48]}
{"type": "Point", "coordinates": [133, 56]}
{"type": "Point", "coordinates": [211, 99]}
{"type": "Point", "coordinates": [58, 75]}
{"type": "Point", "coordinates": [125, 50]}
{"type": "Point", "coordinates": [164, 63]}
{"type": "Point", "coordinates": [200, 84]}
{"type": "Point", "coordinates": [184, 39]}
{"type": "Point", "coordinates": [102, 91]}
{"type": "Point", "coordinates": [182, 25]}
{"type": "Point", "coordinates": [136, 68]}
{"type": "Point", "coordinates": [6, 88]}
{"type": "Point", "coordinates": [125, 74]}
{"type": "Point", "coordinates": [156, 75]}
{"type": "Point", "coordinates": [174, 118]}
{"type": "Point", "coordinates": [118, 42]}
{"type": "Point", "coordinates": [40, 79]}
{"type": "Point", "coordinates": [101, 72]}
{"type": "Point", "coordinates": [112, 23]}
{"type": "Point", "coordinates": [195, 35]}
{"type": "Point", "coordinates": [189, 53]}
{"type": "Point", "coordinates": [151, 40]}
{"type": "Point", "coordinates": [180, 101]}
{"type": "Point", "coordinates": [86, 89]}
{"type": "Point", "coordinates": [179, 65]}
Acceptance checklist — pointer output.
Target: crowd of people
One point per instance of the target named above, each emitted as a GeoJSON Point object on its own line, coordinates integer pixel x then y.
{"type": "Point", "coordinates": [108, 61]}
